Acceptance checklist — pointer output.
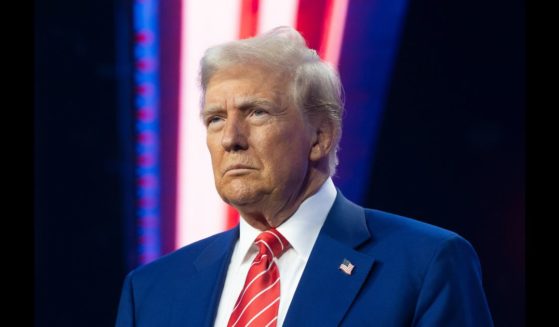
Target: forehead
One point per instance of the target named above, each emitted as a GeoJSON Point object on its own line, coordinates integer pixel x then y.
{"type": "Point", "coordinates": [241, 81]}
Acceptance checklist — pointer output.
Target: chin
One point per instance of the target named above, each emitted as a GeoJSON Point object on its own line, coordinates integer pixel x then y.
{"type": "Point", "coordinates": [239, 197]}
{"type": "Point", "coordinates": [240, 201]}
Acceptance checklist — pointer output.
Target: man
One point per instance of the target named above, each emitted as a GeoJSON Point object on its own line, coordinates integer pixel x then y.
{"type": "Point", "coordinates": [302, 255]}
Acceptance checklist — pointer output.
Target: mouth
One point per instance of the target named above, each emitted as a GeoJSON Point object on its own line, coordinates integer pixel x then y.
{"type": "Point", "coordinates": [238, 169]}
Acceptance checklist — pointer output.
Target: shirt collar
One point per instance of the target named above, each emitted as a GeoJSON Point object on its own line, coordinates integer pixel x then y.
{"type": "Point", "coordinates": [302, 228]}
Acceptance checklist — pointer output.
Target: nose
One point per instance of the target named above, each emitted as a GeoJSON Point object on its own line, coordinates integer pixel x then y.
{"type": "Point", "coordinates": [234, 134]}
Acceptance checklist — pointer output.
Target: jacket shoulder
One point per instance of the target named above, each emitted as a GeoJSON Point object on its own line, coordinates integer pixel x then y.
{"type": "Point", "coordinates": [407, 236]}
{"type": "Point", "coordinates": [180, 260]}
{"type": "Point", "coordinates": [381, 222]}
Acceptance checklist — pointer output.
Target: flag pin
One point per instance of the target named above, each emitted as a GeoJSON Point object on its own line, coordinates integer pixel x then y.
{"type": "Point", "coordinates": [347, 267]}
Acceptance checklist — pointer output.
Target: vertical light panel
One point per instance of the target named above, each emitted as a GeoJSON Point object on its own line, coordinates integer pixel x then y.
{"type": "Point", "coordinates": [200, 210]}
{"type": "Point", "coordinates": [248, 23]}
{"type": "Point", "coordinates": [274, 13]}
{"type": "Point", "coordinates": [334, 31]}
{"type": "Point", "coordinates": [146, 79]}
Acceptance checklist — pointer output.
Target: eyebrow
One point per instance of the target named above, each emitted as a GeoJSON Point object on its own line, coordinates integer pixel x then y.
{"type": "Point", "coordinates": [251, 102]}
{"type": "Point", "coordinates": [243, 104]}
{"type": "Point", "coordinates": [211, 109]}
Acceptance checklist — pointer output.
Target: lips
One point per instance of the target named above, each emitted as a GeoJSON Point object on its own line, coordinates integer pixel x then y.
{"type": "Point", "coordinates": [237, 167]}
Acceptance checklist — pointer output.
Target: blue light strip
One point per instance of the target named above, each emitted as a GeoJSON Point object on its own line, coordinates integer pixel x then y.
{"type": "Point", "coordinates": [366, 69]}
{"type": "Point", "coordinates": [146, 83]}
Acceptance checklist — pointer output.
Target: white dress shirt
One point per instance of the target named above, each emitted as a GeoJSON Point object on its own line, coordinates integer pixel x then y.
{"type": "Point", "coordinates": [301, 230]}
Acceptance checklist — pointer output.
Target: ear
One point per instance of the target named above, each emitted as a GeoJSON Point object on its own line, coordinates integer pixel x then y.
{"type": "Point", "coordinates": [323, 139]}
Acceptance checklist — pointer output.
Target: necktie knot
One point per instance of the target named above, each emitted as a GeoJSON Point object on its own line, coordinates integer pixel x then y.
{"type": "Point", "coordinates": [271, 242]}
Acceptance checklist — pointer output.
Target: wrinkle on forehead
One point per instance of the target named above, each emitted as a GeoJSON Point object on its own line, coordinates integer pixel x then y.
{"type": "Point", "coordinates": [257, 87]}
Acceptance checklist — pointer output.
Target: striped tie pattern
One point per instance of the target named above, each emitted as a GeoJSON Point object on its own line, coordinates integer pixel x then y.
{"type": "Point", "coordinates": [258, 302]}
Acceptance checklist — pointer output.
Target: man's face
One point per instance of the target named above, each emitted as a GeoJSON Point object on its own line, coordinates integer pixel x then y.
{"type": "Point", "coordinates": [258, 140]}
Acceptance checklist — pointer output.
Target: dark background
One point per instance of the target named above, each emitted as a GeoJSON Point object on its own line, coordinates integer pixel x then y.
{"type": "Point", "coordinates": [450, 149]}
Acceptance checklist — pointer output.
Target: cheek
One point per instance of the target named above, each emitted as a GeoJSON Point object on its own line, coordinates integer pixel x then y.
{"type": "Point", "coordinates": [287, 152]}
{"type": "Point", "coordinates": [212, 141]}
{"type": "Point", "coordinates": [214, 149]}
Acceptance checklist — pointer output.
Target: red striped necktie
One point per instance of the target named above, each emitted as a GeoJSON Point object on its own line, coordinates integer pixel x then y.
{"type": "Point", "coordinates": [258, 302]}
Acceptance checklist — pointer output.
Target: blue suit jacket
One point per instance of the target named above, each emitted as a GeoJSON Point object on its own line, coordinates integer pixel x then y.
{"type": "Point", "coordinates": [407, 273]}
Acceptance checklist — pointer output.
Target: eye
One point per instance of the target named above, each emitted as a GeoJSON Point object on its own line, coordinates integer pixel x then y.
{"type": "Point", "coordinates": [213, 120]}
{"type": "Point", "coordinates": [258, 112]}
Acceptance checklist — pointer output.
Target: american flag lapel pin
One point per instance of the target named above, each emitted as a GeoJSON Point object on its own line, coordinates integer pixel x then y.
{"type": "Point", "coordinates": [347, 267]}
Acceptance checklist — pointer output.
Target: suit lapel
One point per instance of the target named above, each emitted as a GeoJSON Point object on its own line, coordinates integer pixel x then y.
{"type": "Point", "coordinates": [325, 292]}
{"type": "Point", "coordinates": [198, 294]}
